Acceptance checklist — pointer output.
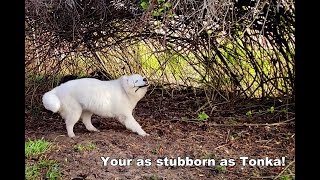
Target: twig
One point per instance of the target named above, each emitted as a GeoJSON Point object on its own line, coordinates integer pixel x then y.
{"type": "Point", "coordinates": [227, 138]}
{"type": "Point", "coordinates": [233, 125]}
{"type": "Point", "coordinates": [222, 145]}
{"type": "Point", "coordinates": [250, 124]}
{"type": "Point", "coordinates": [284, 169]}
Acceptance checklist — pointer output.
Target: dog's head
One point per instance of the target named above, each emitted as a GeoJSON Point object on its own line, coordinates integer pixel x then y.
{"type": "Point", "coordinates": [136, 80]}
{"type": "Point", "coordinates": [135, 84]}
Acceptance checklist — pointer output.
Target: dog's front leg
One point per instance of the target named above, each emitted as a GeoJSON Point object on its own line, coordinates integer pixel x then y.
{"type": "Point", "coordinates": [132, 124]}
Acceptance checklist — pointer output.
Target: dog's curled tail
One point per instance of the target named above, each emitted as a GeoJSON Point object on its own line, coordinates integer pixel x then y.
{"type": "Point", "coordinates": [51, 101]}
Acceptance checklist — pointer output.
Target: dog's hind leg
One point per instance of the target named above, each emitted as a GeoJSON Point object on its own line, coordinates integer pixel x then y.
{"type": "Point", "coordinates": [71, 114]}
{"type": "Point", "coordinates": [132, 125]}
{"type": "Point", "coordinates": [71, 119]}
{"type": "Point", "coordinates": [86, 119]}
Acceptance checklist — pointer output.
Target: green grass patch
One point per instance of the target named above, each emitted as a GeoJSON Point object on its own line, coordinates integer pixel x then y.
{"type": "Point", "coordinates": [220, 169]}
{"type": "Point", "coordinates": [44, 168]}
{"type": "Point", "coordinates": [209, 156]}
{"type": "Point", "coordinates": [153, 177]}
{"type": "Point", "coordinates": [202, 116]}
{"type": "Point", "coordinates": [36, 147]}
{"type": "Point", "coordinates": [286, 177]}
{"type": "Point", "coordinates": [32, 172]}
{"type": "Point", "coordinates": [84, 147]}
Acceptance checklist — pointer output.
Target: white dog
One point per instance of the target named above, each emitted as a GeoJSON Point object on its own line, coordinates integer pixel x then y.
{"type": "Point", "coordinates": [81, 98]}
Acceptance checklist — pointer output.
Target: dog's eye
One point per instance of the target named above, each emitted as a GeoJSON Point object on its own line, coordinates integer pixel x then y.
{"type": "Point", "coordinates": [136, 81]}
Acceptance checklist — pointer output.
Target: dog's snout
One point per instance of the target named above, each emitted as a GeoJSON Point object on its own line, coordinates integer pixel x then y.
{"type": "Point", "coordinates": [145, 79]}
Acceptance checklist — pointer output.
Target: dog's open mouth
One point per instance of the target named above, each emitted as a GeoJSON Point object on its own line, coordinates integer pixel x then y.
{"type": "Point", "coordinates": [147, 84]}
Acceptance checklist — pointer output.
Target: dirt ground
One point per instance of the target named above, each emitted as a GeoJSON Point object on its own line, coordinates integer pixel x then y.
{"type": "Point", "coordinates": [174, 132]}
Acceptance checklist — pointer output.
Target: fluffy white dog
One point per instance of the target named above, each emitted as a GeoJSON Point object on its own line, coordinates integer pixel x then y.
{"type": "Point", "coordinates": [81, 98]}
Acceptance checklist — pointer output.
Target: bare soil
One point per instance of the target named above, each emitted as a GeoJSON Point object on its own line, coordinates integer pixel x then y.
{"type": "Point", "coordinates": [170, 119]}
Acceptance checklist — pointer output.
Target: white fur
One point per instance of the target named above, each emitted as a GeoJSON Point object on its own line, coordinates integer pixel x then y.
{"type": "Point", "coordinates": [81, 98]}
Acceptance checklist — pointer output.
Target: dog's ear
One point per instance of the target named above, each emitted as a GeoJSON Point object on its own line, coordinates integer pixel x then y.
{"type": "Point", "coordinates": [125, 77]}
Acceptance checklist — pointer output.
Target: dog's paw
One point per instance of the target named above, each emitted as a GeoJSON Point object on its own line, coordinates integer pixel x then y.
{"type": "Point", "coordinates": [144, 134]}
{"type": "Point", "coordinates": [72, 135]}
{"type": "Point", "coordinates": [94, 130]}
